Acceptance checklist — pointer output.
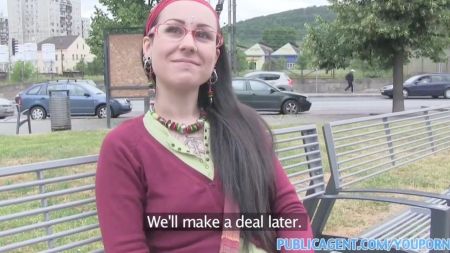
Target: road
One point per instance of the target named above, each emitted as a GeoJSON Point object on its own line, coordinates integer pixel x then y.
{"type": "Point", "coordinates": [370, 105]}
{"type": "Point", "coordinates": [324, 109]}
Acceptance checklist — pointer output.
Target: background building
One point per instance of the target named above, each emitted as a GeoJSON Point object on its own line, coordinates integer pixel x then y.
{"type": "Point", "coordinates": [257, 55]}
{"type": "Point", "coordinates": [3, 30]}
{"type": "Point", "coordinates": [289, 53]}
{"type": "Point", "coordinates": [85, 27]}
{"type": "Point", "coordinates": [69, 51]}
{"type": "Point", "coordinates": [37, 20]}
{"type": "Point", "coordinates": [426, 65]}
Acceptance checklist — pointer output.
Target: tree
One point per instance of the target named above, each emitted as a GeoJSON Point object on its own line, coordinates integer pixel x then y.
{"type": "Point", "coordinates": [242, 61]}
{"type": "Point", "coordinates": [95, 67]}
{"type": "Point", "coordinates": [278, 37]}
{"type": "Point", "coordinates": [390, 32]}
{"type": "Point", "coordinates": [324, 45]}
{"type": "Point", "coordinates": [303, 61]}
{"type": "Point", "coordinates": [22, 71]}
{"type": "Point", "coordinates": [121, 14]}
{"type": "Point", "coordinates": [81, 66]}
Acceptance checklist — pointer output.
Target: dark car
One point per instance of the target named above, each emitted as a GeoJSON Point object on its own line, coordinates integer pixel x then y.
{"type": "Point", "coordinates": [434, 85]}
{"type": "Point", "coordinates": [265, 97]}
{"type": "Point", "coordinates": [85, 99]}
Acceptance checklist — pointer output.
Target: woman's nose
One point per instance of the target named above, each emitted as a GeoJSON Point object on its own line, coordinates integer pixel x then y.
{"type": "Point", "coordinates": [188, 43]}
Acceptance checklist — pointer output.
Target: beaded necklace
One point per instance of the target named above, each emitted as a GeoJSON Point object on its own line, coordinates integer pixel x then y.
{"type": "Point", "coordinates": [178, 127]}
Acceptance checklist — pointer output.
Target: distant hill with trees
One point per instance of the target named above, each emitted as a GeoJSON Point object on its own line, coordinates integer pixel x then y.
{"type": "Point", "coordinates": [251, 31]}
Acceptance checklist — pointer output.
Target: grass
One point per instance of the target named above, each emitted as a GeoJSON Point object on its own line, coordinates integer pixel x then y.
{"type": "Point", "coordinates": [348, 218]}
{"type": "Point", "coordinates": [43, 147]}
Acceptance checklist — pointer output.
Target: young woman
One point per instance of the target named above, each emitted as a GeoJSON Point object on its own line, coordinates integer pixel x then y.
{"type": "Point", "coordinates": [198, 150]}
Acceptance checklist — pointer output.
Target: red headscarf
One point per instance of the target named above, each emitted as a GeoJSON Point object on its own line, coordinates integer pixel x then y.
{"type": "Point", "coordinates": [154, 13]}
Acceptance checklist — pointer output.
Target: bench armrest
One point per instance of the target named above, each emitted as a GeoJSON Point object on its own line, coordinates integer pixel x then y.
{"type": "Point", "coordinates": [404, 192]}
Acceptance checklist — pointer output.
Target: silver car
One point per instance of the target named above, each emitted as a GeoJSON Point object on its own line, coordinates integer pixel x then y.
{"type": "Point", "coordinates": [6, 108]}
{"type": "Point", "coordinates": [278, 79]}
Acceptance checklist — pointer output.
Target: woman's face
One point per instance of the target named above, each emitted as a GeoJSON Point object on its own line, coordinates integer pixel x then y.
{"type": "Point", "coordinates": [183, 62]}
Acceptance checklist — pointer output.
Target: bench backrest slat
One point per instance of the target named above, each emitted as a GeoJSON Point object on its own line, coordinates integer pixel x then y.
{"type": "Point", "coordinates": [298, 149]}
{"type": "Point", "coordinates": [49, 206]}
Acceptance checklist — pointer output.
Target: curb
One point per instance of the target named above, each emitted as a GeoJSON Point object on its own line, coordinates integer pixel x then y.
{"type": "Point", "coordinates": [341, 94]}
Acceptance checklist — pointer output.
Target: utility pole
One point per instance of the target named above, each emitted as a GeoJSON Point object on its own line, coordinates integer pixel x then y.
{"type": "Point", "coordinates": [234, 52]}
{"type": "Point", "coordinates": [230, 33]}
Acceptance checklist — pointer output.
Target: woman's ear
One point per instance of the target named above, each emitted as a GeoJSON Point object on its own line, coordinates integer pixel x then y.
{"type": "Point", "coordinates": [147, 44]}
{"type": "Point", "coordinates": [217, 54]}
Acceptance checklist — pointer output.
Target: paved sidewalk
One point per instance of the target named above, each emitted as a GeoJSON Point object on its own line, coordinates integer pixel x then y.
{"type": "Point", "coordinates": [341, 94]}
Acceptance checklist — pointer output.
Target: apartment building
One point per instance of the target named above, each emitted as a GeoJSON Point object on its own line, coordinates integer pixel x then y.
{"type": "Point", "coordinates": [37, 20]}
{"type": "Point", "coordinates": [85, 27]}
{"type": "Point", "coordinates": [3, 30]}
{"type": "Point", "coordinates": [69, 50]}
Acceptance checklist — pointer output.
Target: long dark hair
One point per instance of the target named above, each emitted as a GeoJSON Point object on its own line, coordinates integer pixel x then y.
{"type": "Point", "coordinates": [242, 150]}
{"type": "Point", "coordinates": [241, 144]}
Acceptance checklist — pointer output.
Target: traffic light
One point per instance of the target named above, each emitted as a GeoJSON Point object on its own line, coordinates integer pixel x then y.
{"type": "Point", "coordinates": [13, 45]}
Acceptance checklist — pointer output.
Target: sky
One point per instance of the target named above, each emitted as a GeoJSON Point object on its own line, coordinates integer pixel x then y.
{"type": "Point", "coordinates": [246, 9]}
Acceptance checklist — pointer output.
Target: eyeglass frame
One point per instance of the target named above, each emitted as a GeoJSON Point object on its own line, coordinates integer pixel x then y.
{"type": "Point", "coordinates": [219, 37]}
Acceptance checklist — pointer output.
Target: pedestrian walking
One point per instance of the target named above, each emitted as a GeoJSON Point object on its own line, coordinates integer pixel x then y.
{"type": "Point", "coordinates": [349, 77]}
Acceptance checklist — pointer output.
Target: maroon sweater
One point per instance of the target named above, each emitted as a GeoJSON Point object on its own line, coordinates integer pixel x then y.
{"type": "Point", "coordinates": [136, 175]}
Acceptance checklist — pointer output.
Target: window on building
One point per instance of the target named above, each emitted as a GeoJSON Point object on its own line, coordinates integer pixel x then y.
{"type": "Point", "coordinates": [56, 57]}
{"type": "Point", "coordinates": [83, 46]}
{"type": "Point", "coordinates": [56, 68]}
{"type": "Point", "coordinates": [73, 57]}
{"type": "Point", "coordinates": [77, 56]}
{"type": "Point", "coordinates": [290, 65]}
{"type": "Point", "coordinates": [77, 46]}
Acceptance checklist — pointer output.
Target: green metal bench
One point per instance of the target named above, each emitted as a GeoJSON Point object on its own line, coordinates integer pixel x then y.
{"type": "Point", "coordinates": [50, 206]}
{"type": "Point", "coordinates": [362, 149]}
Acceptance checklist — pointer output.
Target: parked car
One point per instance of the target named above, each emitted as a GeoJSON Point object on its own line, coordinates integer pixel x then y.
{"type": "Point", "coordinates": [6, 108]}
{"type": "Point", "coordinates": [264, 97]}
{"type": "Point", "coordinates": [90, 82]}
{"type": "Point", "coordinates": [85, 99]}
{"type": "Point", "coordinates": [278, 79]}
{"type": "Point", "coordinates": [434, 85]}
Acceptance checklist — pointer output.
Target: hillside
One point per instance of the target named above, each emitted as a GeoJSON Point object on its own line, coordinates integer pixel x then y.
{"type": "Point", "coordinates": [250, 31]}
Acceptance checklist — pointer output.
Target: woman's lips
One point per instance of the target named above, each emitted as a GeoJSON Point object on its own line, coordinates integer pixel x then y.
{"type": "Point", "coordinates": [186, 61]}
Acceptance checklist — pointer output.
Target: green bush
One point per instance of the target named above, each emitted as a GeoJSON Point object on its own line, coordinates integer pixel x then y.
{"type": "Point", "coordinates": [23, 71]}
{"type": "Point", "coordinates": [91, 68]}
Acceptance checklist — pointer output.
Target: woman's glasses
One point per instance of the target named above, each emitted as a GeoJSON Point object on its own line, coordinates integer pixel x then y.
{"type": "Point", "coordinates": [177, 32]}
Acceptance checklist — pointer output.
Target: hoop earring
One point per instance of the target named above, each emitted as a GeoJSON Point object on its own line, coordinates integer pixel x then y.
{"type": "Point", "coordinates": [148, 67]}
{"type": "Point", "coordinates": [212, 80]}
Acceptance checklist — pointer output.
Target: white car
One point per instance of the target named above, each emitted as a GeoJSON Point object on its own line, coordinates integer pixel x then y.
{"type": "Point", "coordinates": [6, 108]}
{"type": "Point", "coordinates": [278, 79]}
